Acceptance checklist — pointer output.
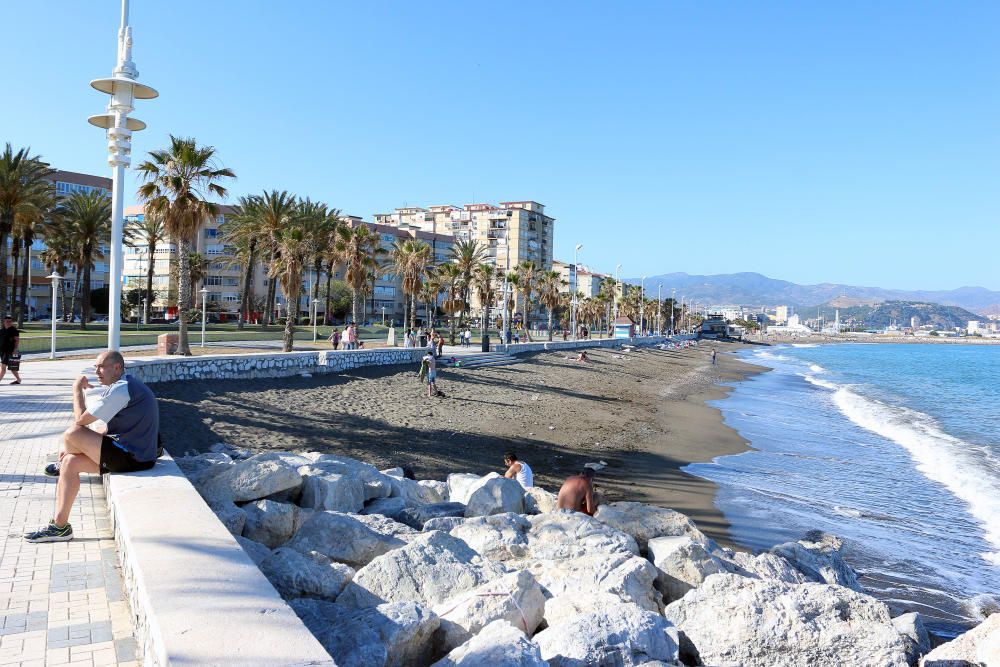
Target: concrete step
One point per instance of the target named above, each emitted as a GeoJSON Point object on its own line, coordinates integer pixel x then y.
{"type": "Point", "coordinates": [483, 359]}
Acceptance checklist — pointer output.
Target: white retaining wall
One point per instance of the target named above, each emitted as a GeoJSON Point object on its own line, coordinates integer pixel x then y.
{"type": "Point", "coordinates": [539, 346]}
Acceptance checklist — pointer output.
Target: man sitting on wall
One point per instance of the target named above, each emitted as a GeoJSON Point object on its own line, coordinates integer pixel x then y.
{"type": "Point", "coordinates": [129, 409]}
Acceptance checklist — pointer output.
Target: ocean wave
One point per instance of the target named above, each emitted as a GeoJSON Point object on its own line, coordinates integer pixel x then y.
{"type": "Point", "coordinates": [832, 386]}
{"type": "Point", "coordinates": [962, 467]}
{"type": "Point", "coordinates": [771, 356]}
{"type": "Point", "coordinates": [982, 605]}
{"type": "Point", "coordinates": [816, 368]}
{"type": "Point", "coordinates": [804, 345]}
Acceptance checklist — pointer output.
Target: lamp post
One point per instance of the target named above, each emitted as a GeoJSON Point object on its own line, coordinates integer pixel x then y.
{"type": "Point", "coordinates": [204, 313]}
{"type": "Point", "coordinates": [642, 304]}
{"type": "Point", "coordinates": [138, 317]}
{"type": "Point", "coordinates": [55, 278]}
{"type": "Point", "coordinates": [618, 288]}
{"type": "Point", "coordinates": [124, 90]}
{"type": "Point", "coordinates": [315, 304]}
{"type": "Point", "coordinates": [673, 297]}
{"type": "Point", "coordinates": [574, 282]}
{"type": "Point", "coordinates": [659, 307]}
{"type": "Point", "coordinates": [505, 334]}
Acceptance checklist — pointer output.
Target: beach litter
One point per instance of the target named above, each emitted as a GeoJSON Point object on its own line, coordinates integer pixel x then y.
{"type": "Point", "coordinates": [599, 465]}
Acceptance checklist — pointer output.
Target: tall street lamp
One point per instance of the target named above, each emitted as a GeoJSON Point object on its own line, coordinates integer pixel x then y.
{"type": "Point", "coordinates": [505, 335]}
{"type": "Point", "coordinates": [642, 304]}
{"type": "Point", "coordinates": [55, 278]}
{"type": "Point", "coordinates": [124, 90]}
{"type": "Point", "coordinates": [315, 304]}
{"type": "Point", "coordinates": [673, 302]}
{"type": "Point", "coordinates": [618, 288]}
{"type": "Point", "coordinates": [574, 281]}
{"type": "Point", "coordinates": [204, 313]}
{"type": "Point", "coordinates": [659, 306]}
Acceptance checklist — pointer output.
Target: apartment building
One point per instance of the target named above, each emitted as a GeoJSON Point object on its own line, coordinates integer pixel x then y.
{"type": "Point", "coordinates": [39, 295]}
{"type": "Point", "coordinates": [588, 280]}
{"type": "Point", "coordinates": [511, 232]}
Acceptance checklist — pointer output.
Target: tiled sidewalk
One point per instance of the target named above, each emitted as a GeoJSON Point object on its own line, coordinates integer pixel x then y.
{"type": "Point", "coordinates": [60, 603]}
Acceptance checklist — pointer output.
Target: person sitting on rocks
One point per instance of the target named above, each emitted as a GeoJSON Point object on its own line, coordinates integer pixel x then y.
{"type": "Point", "coordinates": [129, 409]}
{"type": "Point", "coordinates": [577, 493]}
{"type": "Point", "coordinates": [518, 470]}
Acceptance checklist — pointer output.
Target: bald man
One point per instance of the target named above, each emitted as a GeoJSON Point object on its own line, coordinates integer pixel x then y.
{"type": "Point", "coordinates": [129, 409]}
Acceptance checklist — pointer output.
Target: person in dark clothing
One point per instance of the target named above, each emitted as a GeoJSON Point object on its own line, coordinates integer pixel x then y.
{"type": "Point", "coordinates": [10, 342]}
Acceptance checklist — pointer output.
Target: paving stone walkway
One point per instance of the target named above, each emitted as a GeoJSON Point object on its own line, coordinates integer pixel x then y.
{"type": "Point", "coordinates": [60, 603]}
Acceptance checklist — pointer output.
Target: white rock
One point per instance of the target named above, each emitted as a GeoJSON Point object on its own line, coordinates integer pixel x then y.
{"type": "Point", "coordinates": [499, 644]}
{"type": "Point", "coordinates": [911, 628]}
{"type": "Point", "coordinates": [416, 516]}
{"type": "Point", "coordinates": [386, 526]}
{"type": "Point", "coordinates": [388, 635]}
{"type": "Point", "coordinates": [295, 574]}
{"type": "Point", "coordinates": [462, 485]}
{"type": "Point", "coordinates": [565, 535]}
{"type": "Point", "coordinates": [325, 490]}
{"type": "Point", "coordinates": [231, 516]}
{"type": "Point", "coordinates": [496, 496]}
{"type": "Point", "coordinates": [628, 578]}
{"type": "Point", "coordinates": [621, 634]}
{"type": "Point", "coordinates": [441, 488]}
{"type": "Point", "coordinates": [515, 597]}
{"type": "Point", "coordinates": [499, 537]}
{"type": "Point", "coordinates": [538, 501]}
{"type": "Point", "coordinates": [644, 522]}
{"type": "Point", "coordinates": [562, 608]}
{"type": "Point", "coordinates": [762, 566]}
{"type": "Point", "coordinates": [389, 507]}
{"type": "Point", "coordinates": [979, 647]}
{"type": "Point", "coordinates": [818, 558]}
{"type": "Point", "coordinates": [412, 492]}
{"type": "Point", "coordinates": [430, 569]}
{"type": "Point", "coordinates": [445, 523]}
{"type": "Point", "coordinates": [375, 483]}
{"type": "Point", "coordinates": [734, 620]}
{"type": "Point", "coordinates": [254, 479]}
{"type": "Point", "coordinates": [269, 522]}
{"type": "Point", "coordinates": [682, 564]}
{"type": "Point", "coordinates": [343, 538]}
{"type": "Point", "coordinates": [255, 550]}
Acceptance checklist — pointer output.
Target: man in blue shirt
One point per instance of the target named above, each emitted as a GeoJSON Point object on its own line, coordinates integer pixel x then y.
{"type": "Point", "coordinates": [129, 409]}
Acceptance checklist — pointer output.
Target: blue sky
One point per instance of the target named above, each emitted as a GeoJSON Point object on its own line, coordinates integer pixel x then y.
{"type": "Point", "coordinates": [851, 142]}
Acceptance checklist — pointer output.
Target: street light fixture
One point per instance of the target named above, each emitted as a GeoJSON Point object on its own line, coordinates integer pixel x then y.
{"type": "Point", "coordinates": [124, 90]}
{"type": "Point", "coordinates": [618, 288]}
{"type": "Point", "coordinates": [574, 282]}
{"type": "Point", "coordinates": [315, 304]}
{"type": "Point", "coordinates": [673, 302]}
{"type": "Point", "coordinates": [642, 304]}
{"type": "Point", "coordinates": [55, 278]}
{"type": "Point", "coordinates": [659, 307]}
{"type": "Point", "coordinates": [204, 313]}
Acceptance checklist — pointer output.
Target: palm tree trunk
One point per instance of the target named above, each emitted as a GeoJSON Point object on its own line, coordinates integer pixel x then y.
{"type": "Point", "coordinates": [527, 309]}
{"type": "Point", "coordinates": [183, 296]}
{"type": "Point", "coordinates": [247, 285]}
{"type": "Point", "coordinates": [62, 294]}
{"type": "Point", "coordinates": [413, 311]}
{"type": "Point", "coordinates": [329, 280]}
{"type": "Point", "coordinates": [550, 324]}
{"type": "Point", "coordinates": [271, 294]}
{"type": "Point", "coordinates": [288, 338]}
{"type": "Point", "coordinates": [85, 295]}
{"type": "Point", "coordinates": [15, 253]}
{"type": "Point", "coordinates": [24, 283]}
{"type": "Point", "coordinates": [354, 306]}
{"type": "Point", "coordinates": [76, 292]}
{"type": "Point", "coordinates": [6, 223]}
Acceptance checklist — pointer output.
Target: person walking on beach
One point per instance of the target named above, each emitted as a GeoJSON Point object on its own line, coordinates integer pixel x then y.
{"type": "Point", "coordinates": [467, 338]}
{"type": "Point", "coordinates": [428, 373]}
{"type": "Point", "coordinates": [432, 344]}
{"type": "Point", "coordinates": [713, 356]}
{"type": "Point", "coordinates": [350, 337]}
{"type": "Point", "coordinates": [518, 470]}
{"type": "Point", "coordinates": [130, 444]}
{"type": "Point", "coordinates": [440, 348]}
{"type": "Point", "coordinates": [10, 343]}
{"type": "Point", "coordinates": [335, 338]}
{"type": "Point", "coordinates": [407, 339]}
{"type": "Point", "coordinates": [577, 493]}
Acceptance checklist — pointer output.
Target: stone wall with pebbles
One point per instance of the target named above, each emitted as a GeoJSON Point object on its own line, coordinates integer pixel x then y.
{"type": "Point", "coordinates": [268, 365]}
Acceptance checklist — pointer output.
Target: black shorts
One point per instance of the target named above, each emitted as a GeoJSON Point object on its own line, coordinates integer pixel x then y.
{"type": "Point", "coordinates": [10, 360]}
{"type": "Point", "coordinates": [116, 459]}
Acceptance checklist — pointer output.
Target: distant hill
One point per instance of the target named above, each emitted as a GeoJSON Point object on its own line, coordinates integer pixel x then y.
{"type": "Point", "coordinates": [756, 290]}
{"type": "Point", "coordinates": [899, 313]}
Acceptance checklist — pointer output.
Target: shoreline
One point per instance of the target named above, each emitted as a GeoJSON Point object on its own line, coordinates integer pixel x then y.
{"type": "Point", "coordinates": [644, 414]}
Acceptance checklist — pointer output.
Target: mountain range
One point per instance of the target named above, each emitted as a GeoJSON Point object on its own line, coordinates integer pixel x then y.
{"type": "Point", "coordinates": [756, 290]}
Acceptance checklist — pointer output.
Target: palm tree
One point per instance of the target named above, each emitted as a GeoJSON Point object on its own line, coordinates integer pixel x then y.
{"type": "Point", "coordinates": [451, 276]}
{"type": "Point", "coordinates": [527, 273]}
{"type": "Point", "coordinates": [58, 251]}
{"type": "Point", "coordinates": [467, 255]}
{"type": "Point", "coordinates": [408, 260]}
{"type": "Point", "coordinates": [550, 292]}
{"type": "Point", "coordinates": [358, 249]}
{"type": "Point", "coordinates": [27, 227]}
{"type": "Point", "coordinates": [294, 248]}
{"type": "Point", "coordinates": [429, 292]}
{"type": "Point", "coordinates": [88, 216]}
{"type": "Point", "coordinates": [178, 181]}
{"type": "Point", "coordinates": [25, 190]}
{"type": "Point", "coordinates": [514, 285]}
{"type": "Point", "coordinates": [321, 224]}
{"type": "Point", "coordinates": [484, 280]}
{"type": "Point", "coordinates": [150, 229]}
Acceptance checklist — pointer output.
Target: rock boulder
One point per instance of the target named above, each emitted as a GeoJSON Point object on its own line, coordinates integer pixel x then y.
{"type": "Point", "coordinates": [295, 574]}
{"type": "Point", "coordinates": [621, 634]}
{"type": "Point", "coordinates": [416, 516]}
{"type": "Point", "coordinates": [343, 538]}
{"type": "Point", "coordinates": [644, 522]}
{"type": "Point", "coordinates": [496, 496]}
{"type": "Point", "coordinates": [682, 564]}
{"type": "Point", "coordinates": [499, 537]}
{"type": "Point", "coordinates": [979, 647]}
{"type": "Point", "coordinates": [817, 556]}
{"type": "Point", "coordinates": [253, 479]}
{"type": "Point", "coordinates": [326, 490]}
{"type": "Point", "coordinates": [269, 522]}
{"type": "Point", "coordinates": [566, 535]}
{"type": "Point", "coordinates": [499, 644]}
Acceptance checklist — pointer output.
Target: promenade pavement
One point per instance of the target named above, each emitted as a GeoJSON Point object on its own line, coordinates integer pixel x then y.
{"type": "Point", "coordinates": [63, 602]}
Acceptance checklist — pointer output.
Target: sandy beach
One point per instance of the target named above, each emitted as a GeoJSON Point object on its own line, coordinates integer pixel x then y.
{"type": "Point", "coordinates": [643, 413]}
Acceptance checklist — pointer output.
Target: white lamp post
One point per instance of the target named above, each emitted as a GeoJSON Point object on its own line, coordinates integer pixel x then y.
{"type": "Point", "coordinates": [574, 282]}
{"type": "Point", "coordinates": [124, 90]}
{"type": "Point", "coordinates": [673, 297]}
{"type": "Point", "coordinates": [659, 306]}
{"type": "Point", "coordinates": [204, 313]}
{"type": "Point", "coordinates": [55, 278]}
{"type": "Point", "coordinates": [618, 287]}
{"type": "Point", "coordinates": [315, 302]}
{"type": "Point", "coordinates": [642, 304]}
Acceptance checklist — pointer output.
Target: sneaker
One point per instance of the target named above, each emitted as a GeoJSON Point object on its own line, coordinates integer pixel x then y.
{"type": "Point", "coordinates": [16, 382]}
{"type": "Point", "coordinates": [51, 470]}
{"type": "Point", "coordinates": [51, 533]}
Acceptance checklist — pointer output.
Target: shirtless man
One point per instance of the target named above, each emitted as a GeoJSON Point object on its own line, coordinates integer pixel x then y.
{"type": "Point", "coordinates": [577, 493]}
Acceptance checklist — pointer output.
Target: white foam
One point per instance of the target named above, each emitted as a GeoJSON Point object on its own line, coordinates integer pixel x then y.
{"type": "Point", "coordinates": [811, 379]}
{"type": "Point", "coordinates": [969, 472]}
{"type": "Point", "coordinates": [772, 356]}
{"type": "Point", "coordinates": [804, 345]}
{"type": "Point", "coordinates": [816, 368]}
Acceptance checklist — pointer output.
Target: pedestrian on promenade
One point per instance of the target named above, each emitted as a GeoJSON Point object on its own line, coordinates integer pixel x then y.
{"type": "Point", "coordinates": [518, 470]}
{"type": "Point", "coordinates": [350, 337]}
{"type": "Point", "coordinates": [10, 355]}
{"type": "Point", "coordinates": [713, 356]}
{"type": "Point", "coordinates": [130, 443]}
{"type": "Point", "coordinates": [407, 339]}
{"type": "Point", "coordinates": [428, 373]}
{"type": "Point", "coordinates": [577, 493]}
{"type": "Point", "coordinates": [335, 338]}
{"type": "Point", "coordinates": [468, 337]}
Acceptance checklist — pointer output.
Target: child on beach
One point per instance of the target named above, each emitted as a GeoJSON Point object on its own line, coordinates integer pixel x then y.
{"type": "Point", "coordinates": [428, 373]}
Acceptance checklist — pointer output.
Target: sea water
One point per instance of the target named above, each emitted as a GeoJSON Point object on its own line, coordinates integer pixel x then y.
{"type": "Point", "coordinates": [894, 448]}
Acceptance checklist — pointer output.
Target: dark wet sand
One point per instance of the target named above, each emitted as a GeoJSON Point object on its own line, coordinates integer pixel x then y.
{"type": "Point", "coordinates": [643, 413]}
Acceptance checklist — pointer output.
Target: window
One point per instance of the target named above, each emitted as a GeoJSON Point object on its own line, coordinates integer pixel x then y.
{"type": "Point", "coordinates": [211, 233]}
{"type": "Point", "coordinates": [230, 282]}
{"type": "Point", "coordinates": [213, 249]}
{"type": "Point", "coordinates": [213, 280]}
{"type": "Point", "coordinates": [229, 296]}
{"type": "Point", "coordinates": [385, 292]}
